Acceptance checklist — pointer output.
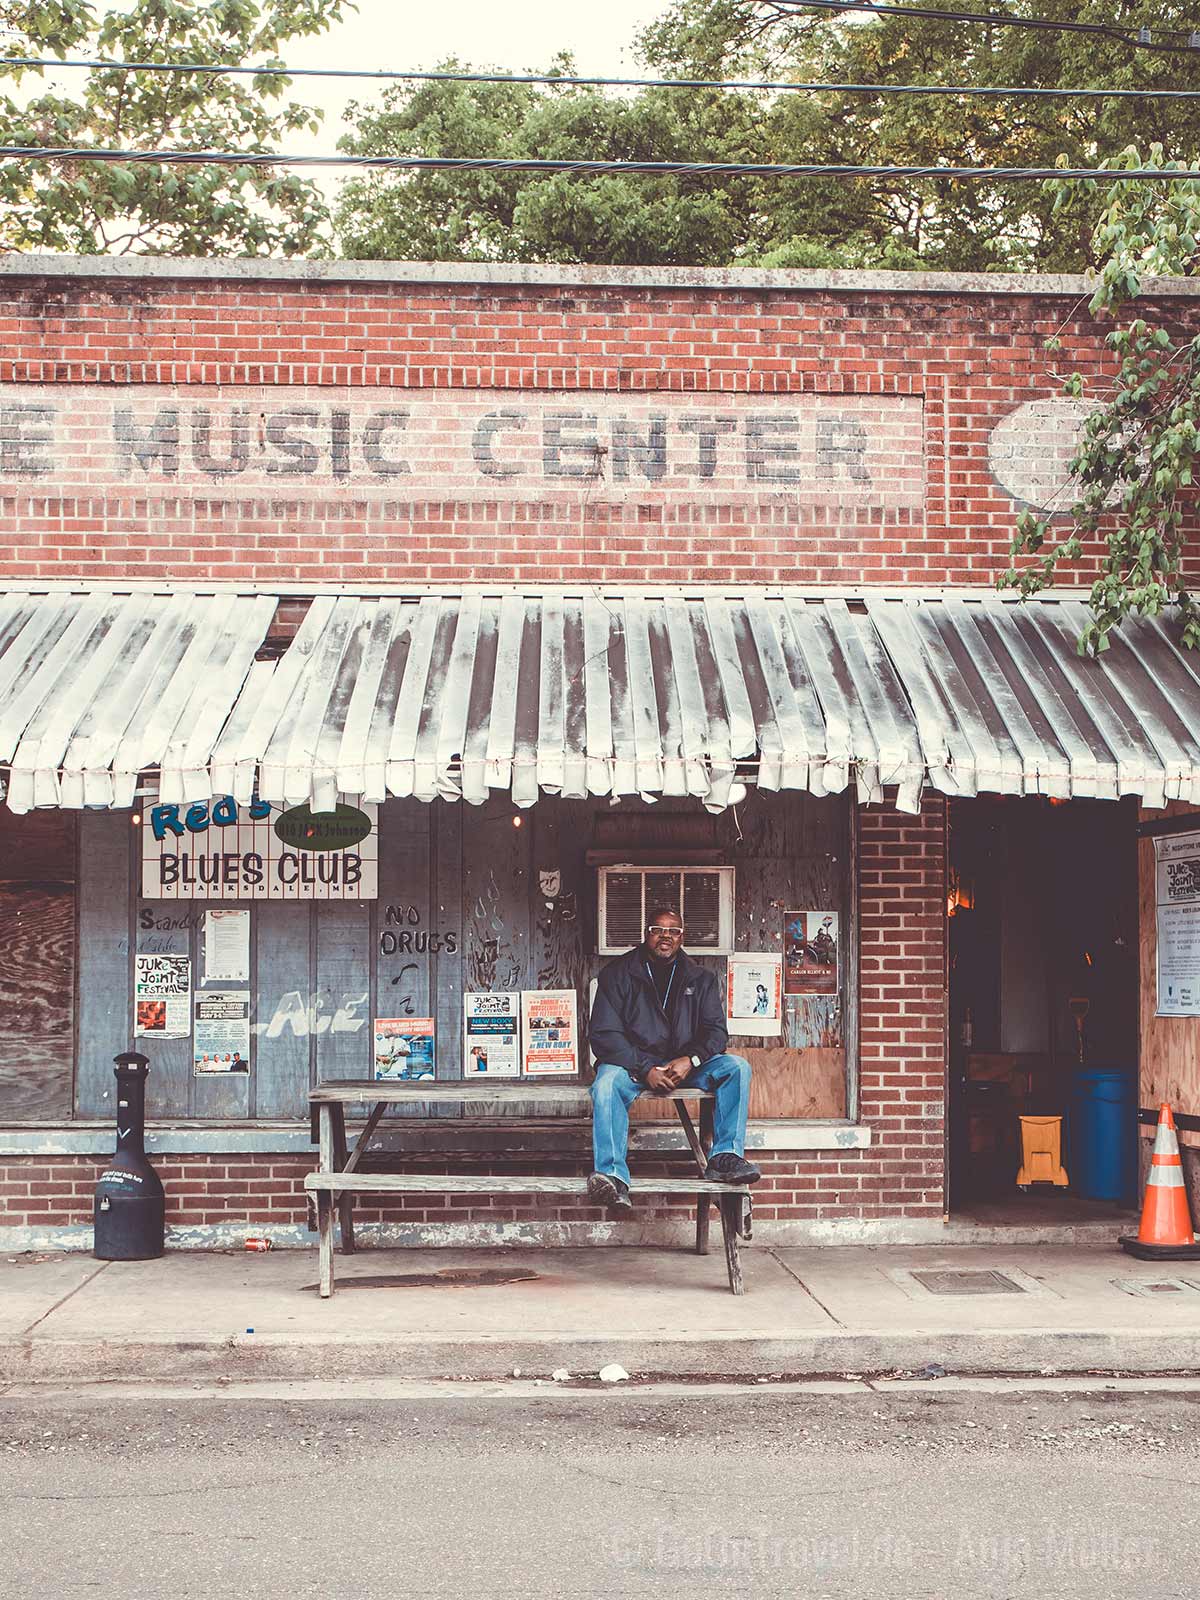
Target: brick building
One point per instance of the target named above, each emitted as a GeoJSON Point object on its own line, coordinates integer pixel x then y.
{"type": "Point", "coordinates": [578, 586]}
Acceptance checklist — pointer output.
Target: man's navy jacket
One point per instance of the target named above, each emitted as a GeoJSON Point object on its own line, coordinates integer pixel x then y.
{"type": "Point", "coordinates": [630, 1028]}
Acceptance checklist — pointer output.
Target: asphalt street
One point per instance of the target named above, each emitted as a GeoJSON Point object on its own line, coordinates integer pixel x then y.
{"type": "Point", "coordinates": [921, 1493]}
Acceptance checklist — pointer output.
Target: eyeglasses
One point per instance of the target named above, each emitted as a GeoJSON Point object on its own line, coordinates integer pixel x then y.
{"type": "Point", "coordinates": [670, 933]}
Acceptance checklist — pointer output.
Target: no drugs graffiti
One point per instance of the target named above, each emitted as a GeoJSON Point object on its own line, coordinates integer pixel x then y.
{"type": "Point", "coordinates": [404, 936]}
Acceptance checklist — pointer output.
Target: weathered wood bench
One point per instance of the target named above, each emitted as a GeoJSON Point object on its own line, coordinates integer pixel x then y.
{"type": "Point", "coordinates": [328, 1187]}
{"type": "Point", "coordinates": [338, 1178]}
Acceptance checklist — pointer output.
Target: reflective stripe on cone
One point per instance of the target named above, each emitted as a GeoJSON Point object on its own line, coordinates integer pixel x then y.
{"type": "Point", "coordinates": [1166, 1219]}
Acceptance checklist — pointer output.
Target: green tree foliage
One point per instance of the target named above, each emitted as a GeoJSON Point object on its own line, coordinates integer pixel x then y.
{"type": "Point", "coordinates": [497, 216]}
{"type": "Point", "coordinates": [1132, 474]}
{"type": "Point", "coordinates": [803, 222]}
{"type": "Point", "coordinates": [94, 208]}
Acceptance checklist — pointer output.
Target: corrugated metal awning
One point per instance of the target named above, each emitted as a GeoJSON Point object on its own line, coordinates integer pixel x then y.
{"type": "Point", "coordinates": [97, 686]}
{"type": "Point", "coordinates": [672, 693]}
{"type": "Point", "coordinates": [1003, 703]}
{"type": "Point", "coordinates": [457, 695]}
{"type": "Point", "coordinates": [597, 693]}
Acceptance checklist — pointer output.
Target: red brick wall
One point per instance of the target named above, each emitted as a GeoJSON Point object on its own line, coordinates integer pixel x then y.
{"type": "Point", "coordinates": [970, 359]}
{"type": "Point", "coordinates": [902, 931]}
{"type": "Point", "coordinates": [264, 1191]}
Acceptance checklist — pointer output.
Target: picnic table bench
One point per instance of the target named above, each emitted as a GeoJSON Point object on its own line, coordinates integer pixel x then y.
{"type": "Point", "coordinates": [338, 1178]}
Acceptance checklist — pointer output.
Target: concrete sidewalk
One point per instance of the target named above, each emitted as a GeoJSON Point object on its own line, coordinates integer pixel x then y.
{"type": "Point", "coordinates": [442, 1313]}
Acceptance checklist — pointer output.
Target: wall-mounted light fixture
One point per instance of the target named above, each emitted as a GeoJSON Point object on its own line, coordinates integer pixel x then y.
{"type": "Point", "coordinates": [960, 893]}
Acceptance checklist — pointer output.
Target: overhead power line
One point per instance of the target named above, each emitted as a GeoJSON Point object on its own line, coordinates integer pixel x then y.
{"type": "Point", "coordinates": [1169, 42]}
{"type": "Point", "coordinates": [654, 169]}
{"type": "Point", "coordinates": [576, 80]}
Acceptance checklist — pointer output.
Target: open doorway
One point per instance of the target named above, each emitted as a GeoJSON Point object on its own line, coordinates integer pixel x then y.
{"type": "Point", "coordinates": [1042, 909]}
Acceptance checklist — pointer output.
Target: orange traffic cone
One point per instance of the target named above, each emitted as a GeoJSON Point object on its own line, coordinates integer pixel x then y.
{"type": "Point", "coordinates": [1166, 1230]}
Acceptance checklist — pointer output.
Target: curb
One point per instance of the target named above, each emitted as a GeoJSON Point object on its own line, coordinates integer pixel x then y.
{"type": "Point", "coordinates": [1019, 1352]}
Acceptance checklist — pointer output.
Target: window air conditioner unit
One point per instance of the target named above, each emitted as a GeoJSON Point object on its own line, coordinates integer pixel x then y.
{"type": "Point", "coordinates": [703, 897]}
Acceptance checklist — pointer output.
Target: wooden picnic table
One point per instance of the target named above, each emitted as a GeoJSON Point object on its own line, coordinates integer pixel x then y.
{"type": "Point", "coordinates": [338, 1179]}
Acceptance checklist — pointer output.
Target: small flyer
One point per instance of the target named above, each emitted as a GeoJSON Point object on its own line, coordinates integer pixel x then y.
{"type": "Point", "coordinates": [754, 994]}
{"type": "Point", "coordinates": [404, 1047]}
{"type": "Point", "coordinates": [1177, 915]}
{"type": "Point", "coordinates": [226, 947]}
{"type": "Point", "coordinates": [491, 1035]}
{"type": "Point", "coordinates": [548, 1037]}
{"type": "Point", "coordinates": [162, 991]}
{"type": "Point", "coordinates": [221, 1036]}
{"type": "Point", "coordinates": [810, 952]}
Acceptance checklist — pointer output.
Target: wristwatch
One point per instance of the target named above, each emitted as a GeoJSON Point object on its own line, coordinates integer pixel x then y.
{"type": "Point", "coordinates": [695, 1061]}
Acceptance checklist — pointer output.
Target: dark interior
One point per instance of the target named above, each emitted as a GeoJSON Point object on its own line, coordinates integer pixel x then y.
{"type": "Point", "coordinates": [1042, 912]}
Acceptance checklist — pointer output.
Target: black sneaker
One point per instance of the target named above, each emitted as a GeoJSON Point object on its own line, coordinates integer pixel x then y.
{"type": "Point", "coordinates": [728, 1168]}
{"type": "Point", "coordinates": [605, 1190]}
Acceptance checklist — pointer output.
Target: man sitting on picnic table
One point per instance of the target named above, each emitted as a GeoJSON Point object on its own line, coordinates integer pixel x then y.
{"type": "Point", "coordinates": [657, 1024]}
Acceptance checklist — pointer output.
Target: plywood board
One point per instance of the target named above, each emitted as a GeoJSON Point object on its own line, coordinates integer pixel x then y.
{"type": "Point", "coordinates": [562, 888]}
{"type": "Point", "coordinates": [342, 1013]}
{"type": "Point", "coordinates": [793, 855]}
{"type": "Point", "coordinates": [1170, 1046]}
{"type": "Point", "coordinates": [223, 1096]}
{"type": "Point", "coordinates": [404, 924]}
{"type": "Point", "coordinates": [37, 1000]}
{"type": "Point", "coordinates": [281, 1048]}
{"type": "Point", "coordinates": [496, 894]}
{"type": "Point", "coordinates": [563, 914]}
{"type": "Point", "coordinates": [166, 927]}
{"type": "Point", "coordinates": [784, 1083]}
{"type": "Point", "coordinates": [105, 966]}
{"type": "Point", "coordinates": [499, 910]}
{"type": "Point", "coordinates": [402, 916]}
{"type": "Point", "coordinates": [814, 1021]}
{"type": "Point", "coordinates": [447, 958]}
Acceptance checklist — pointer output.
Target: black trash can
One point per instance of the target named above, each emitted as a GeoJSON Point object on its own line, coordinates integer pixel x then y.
{"type": "Point", "coordinates": [129, 1210]}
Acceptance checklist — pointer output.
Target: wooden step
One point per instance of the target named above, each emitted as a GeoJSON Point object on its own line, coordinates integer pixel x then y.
{"type": "Point", "coordinates": [369, 1091]}
{"type": "Point", "coordinates": [488, 1183]}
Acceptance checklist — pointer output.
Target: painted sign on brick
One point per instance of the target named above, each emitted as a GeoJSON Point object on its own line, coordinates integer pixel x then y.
{"type": "Point", "coordinates": [222, 851]}
{"type": "Point", "coordinates": [1030, 451]}
{"type": "Point", "coordinates": [498, 443]}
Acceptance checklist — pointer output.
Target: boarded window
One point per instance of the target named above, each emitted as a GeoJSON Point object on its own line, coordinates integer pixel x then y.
{"type": "Point", "coordinates": [37, 964]}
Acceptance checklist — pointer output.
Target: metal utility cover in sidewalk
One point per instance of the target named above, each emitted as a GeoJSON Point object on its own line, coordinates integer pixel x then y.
{"type": "Point", "coordinates": [1141, 1287]}
{"type": "Point", "coordinates": [959, 1282]}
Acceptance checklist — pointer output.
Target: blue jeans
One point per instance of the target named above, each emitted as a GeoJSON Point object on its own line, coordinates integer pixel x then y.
{"type": "Point", "coordinates": [614, 1090]}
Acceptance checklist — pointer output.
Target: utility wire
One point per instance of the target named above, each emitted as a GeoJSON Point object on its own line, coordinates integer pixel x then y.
{"type": "Point", "coordinates": [657, 169]}
{"type": "Point", "coordinates": [1143, 39]}
{"type": "Point", "coordinates": [572, 80]}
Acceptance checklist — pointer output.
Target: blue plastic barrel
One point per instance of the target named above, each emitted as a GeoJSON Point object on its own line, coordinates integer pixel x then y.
{"type": "Point", "coordinates": [1103, 1154]}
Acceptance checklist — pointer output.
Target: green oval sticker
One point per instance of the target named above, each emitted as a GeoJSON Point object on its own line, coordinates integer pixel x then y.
{"type": "Point", "coordinates": [342, 829]}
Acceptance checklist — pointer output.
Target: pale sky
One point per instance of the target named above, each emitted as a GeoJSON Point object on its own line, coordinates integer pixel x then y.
{"type": "Point", "coordinates": [523, 35]}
